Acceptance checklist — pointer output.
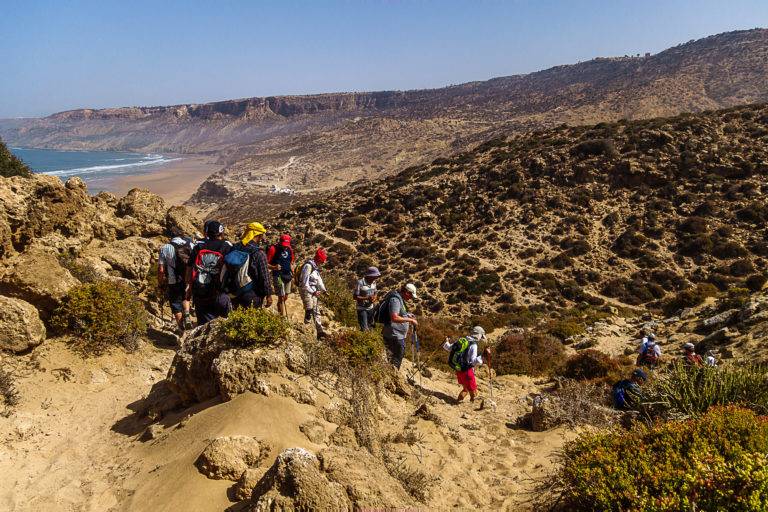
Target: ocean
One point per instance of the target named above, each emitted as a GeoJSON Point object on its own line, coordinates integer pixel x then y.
{"type": "Point", "coordinates": [99, 169]}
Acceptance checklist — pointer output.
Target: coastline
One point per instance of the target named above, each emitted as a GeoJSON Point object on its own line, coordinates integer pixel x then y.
{"type": "Point", "coordinates": [175, 182]}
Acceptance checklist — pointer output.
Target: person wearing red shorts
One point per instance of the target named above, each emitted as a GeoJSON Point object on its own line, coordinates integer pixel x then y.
{"type": "Point", "coordinates": [464, 359]}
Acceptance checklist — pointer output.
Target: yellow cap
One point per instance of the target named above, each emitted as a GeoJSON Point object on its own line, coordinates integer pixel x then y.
{"type": "Point", "coordinates": [253, 230]}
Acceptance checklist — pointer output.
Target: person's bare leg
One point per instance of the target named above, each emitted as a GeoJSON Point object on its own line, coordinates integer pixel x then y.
{"type": "Point", "coordinates": [280, 306]}
{"type": "Point", "coordinates": [462, 395]}
{"type": "Point", "coordinates": [472, 395]}
{"type": "Point", "coordinates": [284, 302]}
{"type": "Point", "coordinates": [179, 320]}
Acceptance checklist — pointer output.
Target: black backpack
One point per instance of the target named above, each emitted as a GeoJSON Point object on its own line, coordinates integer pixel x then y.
{"type": "Point", "coordinates": [381, 314]}
{"type": "Point", "coordinates": [182, 251]}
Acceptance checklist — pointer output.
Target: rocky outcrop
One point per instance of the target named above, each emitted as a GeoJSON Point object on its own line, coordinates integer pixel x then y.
{"type": "Point", "coordinates": [38, 278]}
{"type": "Point", "coordinates": [296, 482]}
{"type": "Point", "coordinates": [227, 458]}
{"type": "Point", "coordinates": [20, 325]}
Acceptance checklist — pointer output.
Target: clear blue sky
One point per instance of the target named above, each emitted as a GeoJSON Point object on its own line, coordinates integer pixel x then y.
{"type": "Point", "coordinates": [58, 55]}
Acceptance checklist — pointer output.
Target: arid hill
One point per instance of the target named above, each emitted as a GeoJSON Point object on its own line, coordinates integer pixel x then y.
{"type": "Point", "coordinates": [322, 141]}
{"type": "Point", "coordinates": [632, 213]}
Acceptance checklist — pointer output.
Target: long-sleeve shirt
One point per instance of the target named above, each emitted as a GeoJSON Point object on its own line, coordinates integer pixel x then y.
{"type": "Point", "coordinates": [311, 280]}
{"type": "Point", "coordinates": [260, 272]}
{"type": "Point", "coordinates": [472, 358]}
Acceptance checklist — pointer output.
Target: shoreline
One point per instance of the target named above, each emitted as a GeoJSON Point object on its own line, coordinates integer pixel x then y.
{"type": "Point", "coordinates": [174, 182]}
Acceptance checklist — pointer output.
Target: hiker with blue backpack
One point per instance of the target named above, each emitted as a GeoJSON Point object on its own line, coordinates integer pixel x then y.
{"type": "Point", "coordinates": [463, 359]}
{"type": "Point", "coordinates": [392, 313]}
{"type": "Point", "coordinates": [204, 274]}
{"type": "Point", "coordinates": [626, 393]}
{"type": "Point", "coordinates": [246, 273]}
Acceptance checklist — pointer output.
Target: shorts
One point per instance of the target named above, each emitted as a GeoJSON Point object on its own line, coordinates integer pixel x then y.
{"type": "Point", "coordinates": [175, 295]}
{"type": "Point", "coordinates": [282, 288]}
{"type": "Point", "coordinates": [207, 310]}
{"type": "Point", "coordinates": [467, 379]}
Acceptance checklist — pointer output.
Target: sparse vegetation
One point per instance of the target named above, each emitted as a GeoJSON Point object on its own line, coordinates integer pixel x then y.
{"type": "Point", "coordinates": [8, 393]}
{"type": "Point", "coordinates": [339, 300]}
{"type": "Point", "coordinates": [101, 315]}
{"type": "Point", "coordinates": [529, 354]}
{"type": "Point", "coordinates": [246, 327]}
{"type": "Point", "coordinates": [10, 165]}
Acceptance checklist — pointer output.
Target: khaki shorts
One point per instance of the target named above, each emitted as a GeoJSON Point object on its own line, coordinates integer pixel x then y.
{"type": "Point", "coordinates": [281, 289]}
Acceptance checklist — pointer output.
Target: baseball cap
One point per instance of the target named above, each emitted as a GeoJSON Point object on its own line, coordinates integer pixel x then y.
{"type": "Point", "coordinates": [285, 240]}
{"type": "Point", "coordinates": [411, 288]}
{"type": "Point", "coordinates": [213, 228]}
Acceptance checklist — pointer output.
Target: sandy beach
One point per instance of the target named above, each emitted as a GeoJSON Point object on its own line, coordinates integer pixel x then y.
{"type": "Point", "coordinates": [176, 182]}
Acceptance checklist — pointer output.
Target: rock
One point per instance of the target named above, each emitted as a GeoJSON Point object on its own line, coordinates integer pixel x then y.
{"type": "Point", "coordinates": [243, 489]}
{"type": "Point", "coordinates": [314, 431]}
{"type": "Point", "coordinates": [152, 432]}
{"type": "Point", "coordinates": [718, 337]}
{"type": "Point", "coordinates": [756, 318]}
{"type": "Point", "coordinates": [20, 325]}
{"type": "Point", "coordinates": [76, 183]}
{"type": "Point", "coordinates": [719, 319]}
{"type": "Point", "coordinates": [687, 313]}
{"type": "Point", "coordinates": [296, 482]}
{"type": "Point", "coordinates": [239, 370]}
{"type": "Point", "coordinates": [344, 436]}
{"type": "Point", "coordinates": [226, 458]}
{"type": "Point", "coordinates": [38, 278]}
{"type": "Point", "coordinates": [146, 210]}
{"type": "Point", "coordinates": [190, 375]}
{"type": "Point", "coordinates": [180, 222]}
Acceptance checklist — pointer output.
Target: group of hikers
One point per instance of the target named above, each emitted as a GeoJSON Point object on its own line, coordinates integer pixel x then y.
{"type": "Point", "coordinates": [215, 276]}
{"type": "Point", "coordinates": [627, 393]}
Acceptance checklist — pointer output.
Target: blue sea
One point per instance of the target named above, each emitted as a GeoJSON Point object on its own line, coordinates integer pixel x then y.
{"type": "Point", "coordinates": [99, 169]}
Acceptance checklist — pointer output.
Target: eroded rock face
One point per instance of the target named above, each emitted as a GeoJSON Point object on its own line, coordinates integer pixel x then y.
{"type": "Point", "coordinates": [239, 370]}
{"type": "Point", "coordinates": [227, 458]}
{"type": "Point", "coordinates": [296, 482]}
{"type": "Point", "coordinates": [20, 325]}
{"type": "Point", "coordinates": [38, 278]}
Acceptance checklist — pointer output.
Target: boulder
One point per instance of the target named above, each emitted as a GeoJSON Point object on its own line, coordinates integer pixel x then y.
{"type": "Point", "coordinates": [239, 370]}
{"type": "Point", "coordinates": [190, 375]}
{"type": "Point", "coordinates": [37, 277]}
{"type": "Point", "coordinates": [719, 319]}
{"type": "Point", "coordinates": [296, 482]}
{"type": "Point", "coordinates": [130, 257]}
{"type": "Point", "coordinates": [145, 209]}
{"type": "Point", "coordinates": [20, 325]}
{"type": "Point", "coordinates": [227, 458]}
{"type": "Point", "coordinates": [180, 222]}
{"type": "Point", "coordinates": [243, 489]}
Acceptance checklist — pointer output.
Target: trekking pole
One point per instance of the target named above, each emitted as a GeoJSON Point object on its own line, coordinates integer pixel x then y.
{"type": "Point", "coordinates": [418, 353]}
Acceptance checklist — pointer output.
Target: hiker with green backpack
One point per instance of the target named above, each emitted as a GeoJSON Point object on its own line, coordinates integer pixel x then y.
{"type": "Point", "coordinates": [392, 313]}
{"type": "Point", "coordinates": [463, 359]}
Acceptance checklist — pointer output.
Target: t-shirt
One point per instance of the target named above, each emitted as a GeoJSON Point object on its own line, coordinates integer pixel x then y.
{"type": "Point", "coordinates": [397, 330]}
{"type": "Point", "coordinates": [283, 256]}
{"type": "Point", "coordinates": [167, 259]}
{"type": "Point", "coordinates": [365, 289]}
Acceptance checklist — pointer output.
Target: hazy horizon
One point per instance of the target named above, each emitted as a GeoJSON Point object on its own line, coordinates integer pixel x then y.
{"type": "Point", "coordinates": [89, 55]}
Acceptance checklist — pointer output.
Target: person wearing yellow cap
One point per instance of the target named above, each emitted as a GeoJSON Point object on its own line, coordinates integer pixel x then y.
{"type": "Point", "coordinates": [246, 275]}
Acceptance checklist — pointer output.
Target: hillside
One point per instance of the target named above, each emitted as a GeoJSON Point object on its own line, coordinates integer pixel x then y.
{"type": "Point", "coordinates": [631, 213]}
{"type": "Point", "coordinates": [321, 141]}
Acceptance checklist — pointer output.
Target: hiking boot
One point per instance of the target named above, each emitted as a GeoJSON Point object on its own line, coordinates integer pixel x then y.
{"type": "Point", "coordinates": [188, 322]}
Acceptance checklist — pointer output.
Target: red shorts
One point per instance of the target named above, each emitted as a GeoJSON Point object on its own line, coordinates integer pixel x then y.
{"type": "Point", "coordinates": [467, 379]}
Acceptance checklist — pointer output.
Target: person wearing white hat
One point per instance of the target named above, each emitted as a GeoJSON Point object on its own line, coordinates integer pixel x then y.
{"type": "Point", "coordinates": [393, 314]}
{"type": "Point", "coordinates": [464, 359]}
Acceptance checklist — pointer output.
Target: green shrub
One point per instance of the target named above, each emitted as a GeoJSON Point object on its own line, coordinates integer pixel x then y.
{"type": "Point", "coordinates": [690, 297]}
{"type": "Point", "coordinates": [432, 333]}
{"type": "Point", "coordinates": [717, 462]}
{"type": "Point", "coordinates": [339, 300]}
{"type": "Point", "coordinates": [564, 328]}
{"type": "Point", "coordinates": [358, 348]}
{"type": "Point", "coordinates": [10, 165]}
{"type": "Point", "coordinates": [101, 314]}
{"type": "Point", "coordinates": [755, 282]}
{"type": "Point", "coordinates": [528, 354]}
{"type": "Point", "coordinates": [682, 391]}
{"type": "Point", "coordinates": [246, 327]}
{"type": "Point", "coordinates": [734, 298]}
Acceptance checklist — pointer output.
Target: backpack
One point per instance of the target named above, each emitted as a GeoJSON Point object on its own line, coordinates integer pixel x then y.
{"type": "Point", "coordinates": [647, 355]}
{"type": "Point", "coordinates": [237, 279]}
{"type": "Point", "coordinates": [285, 266]}
{"type": "Point", "coordinates": [459, 352]}
{"type": "Point", "coordinates": [381, 312]}
{"type": "Point", "coordinates": [621, 394]}
{"type": "Point", "coordinates": [206, 274]}
{"type": "Point", "coordinates": [183, 252]}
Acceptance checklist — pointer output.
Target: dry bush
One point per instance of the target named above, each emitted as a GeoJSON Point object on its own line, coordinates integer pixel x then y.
{"type": "Point", "coordinates": [528, 354]}
{"type": "Point", "coordinates": [8, 392]}
{"type": "Point", "coordinates": [593, 365]}
{"type": "Point", "coordinates": [690, 297]}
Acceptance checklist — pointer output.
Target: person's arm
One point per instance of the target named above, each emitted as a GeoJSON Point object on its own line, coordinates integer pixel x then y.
{"type": "Point", "coordinates": [188, 275]}
{"type": "Point", "coordinates": [447, 345]}
{"type": "Point", "coordinates": [271, 254]}
{"type": "Point", "coordinates": [306, 272]}
{"type": "Point", "coordinates": [473, 358]}
{"type": "Point", "coordinates": [319, 284]}
{"type": "Point", "coordinates": [394, 313]}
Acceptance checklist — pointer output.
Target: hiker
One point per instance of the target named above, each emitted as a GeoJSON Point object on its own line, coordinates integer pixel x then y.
{"type": "Point", "coordinates": [393, 314]}
{"type": "Point", "coordinates": [171, 271]}
{"type": "Point", "coordinates": [463, 359]}
{"type": "Point", "coordinates": [311, 286]}
{"type": "Point", "coordinates": [690, 357]}
{"type": "Point", "coordinates": [365, 295]}
{"type": "Point", "coordinates": [650, 352]}
{"type": "Point", "coordinates": [246, 274]}
{"type": "Point", "coordinates": [203, 280]}
{"type": "Point", "coordinates": [627, 393]}
{"type": "Point", "coordinates": [280, 259]}
{"type": "Point", "coordinates": [711, 359]}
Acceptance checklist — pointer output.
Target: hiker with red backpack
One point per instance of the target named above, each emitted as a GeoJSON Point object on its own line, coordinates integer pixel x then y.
{"type": "Point", "coordinates": [204, 274]}
{"type": "Point", "coordinates": [280, 259]}
{"type": "Point", "coordinates": [171, 272]}
{"type": "Point", "coordinates": [463, 359]}
{"type": "Point", "coordinates": [246, 273]}
{"type": "Point", "coordinates": [311, 286]}
{"type": "Point", "coordinates": [650, 352]}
